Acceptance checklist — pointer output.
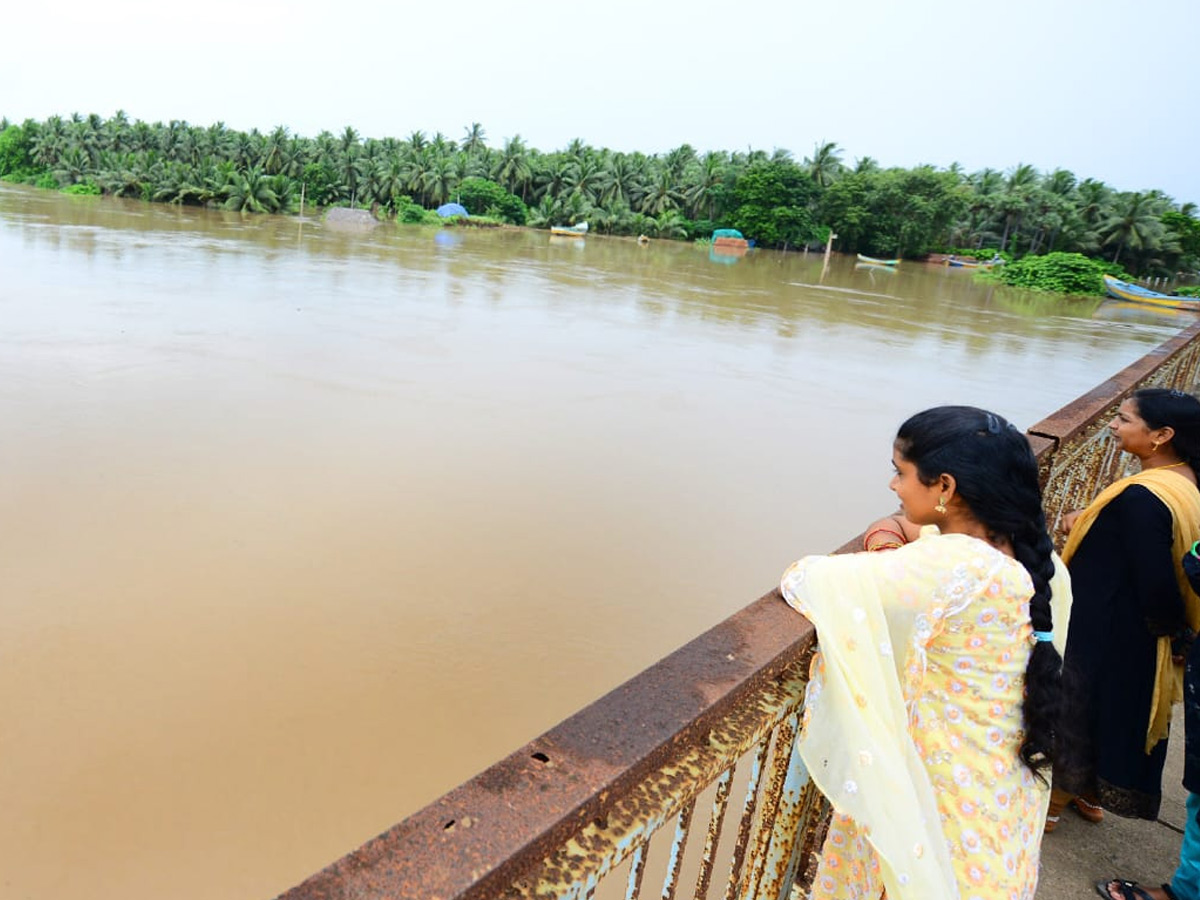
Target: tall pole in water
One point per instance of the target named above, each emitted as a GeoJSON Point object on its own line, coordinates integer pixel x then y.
{"type": "Point", "coordinates": [828, 248]}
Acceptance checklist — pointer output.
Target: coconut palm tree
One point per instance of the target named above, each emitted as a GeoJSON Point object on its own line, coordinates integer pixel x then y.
{"type": "Point", "coordinates": [661, 196]}
{"type": "Point", "coordinates": [700, 195]}
{"type": "Point", "coordinates": [624, 183]}
{"type": "Point", "coordinates": [437, 184]}
{"type": "Point", "coordinates": [513, 171]}
{"type": "Point", "coordinates": [826, 163]}
{"type": "Point", "coordinates": [473, 140]}
{"type": "Point", "coordinates": [1134, 223]}
{"type": "Point", "coordinates": [251, 191]}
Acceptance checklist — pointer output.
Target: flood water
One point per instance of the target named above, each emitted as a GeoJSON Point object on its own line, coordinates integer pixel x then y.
{"type": "Point", "coordinates": [301, 527]}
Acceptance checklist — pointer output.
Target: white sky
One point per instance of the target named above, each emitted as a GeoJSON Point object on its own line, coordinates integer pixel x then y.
{"type": "Point", "coordinates": [1104, 88]}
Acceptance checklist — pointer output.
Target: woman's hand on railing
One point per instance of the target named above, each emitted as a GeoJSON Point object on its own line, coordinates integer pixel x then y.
{"type": "Point", "coordinates": [889, 533]}
{"type": "Point", "coordinates": [1067, 521]}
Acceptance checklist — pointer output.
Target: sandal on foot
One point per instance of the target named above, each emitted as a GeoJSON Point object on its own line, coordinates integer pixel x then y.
{"type": "Point", "coordinates": [1089, 810]}
{"type": "Point", "coordinates": [1051, 824]}
{"type": "Point", "coordinates": [1129, 890]}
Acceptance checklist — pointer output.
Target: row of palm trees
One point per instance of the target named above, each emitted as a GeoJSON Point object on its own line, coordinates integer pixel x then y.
{"type": "Point", "coordinates": [681, 193]}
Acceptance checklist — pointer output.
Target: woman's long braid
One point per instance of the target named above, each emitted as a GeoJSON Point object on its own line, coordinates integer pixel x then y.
{"type": "Point", "coordinates": [1043, 672]}
{"type": "Point", "coordinates": [997, 477]}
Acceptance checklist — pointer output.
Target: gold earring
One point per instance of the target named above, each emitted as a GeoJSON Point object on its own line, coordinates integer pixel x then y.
{"type": "Point", "coordinates": [1154, 446]}
{"type": "Point", "coordinates": [941, 506]}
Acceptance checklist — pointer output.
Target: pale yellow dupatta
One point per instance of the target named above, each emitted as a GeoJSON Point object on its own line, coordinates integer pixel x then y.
{"type": "Point", "coordinates": [1182, 499]}
{"type": "Point", "coordinates": [874, 612]}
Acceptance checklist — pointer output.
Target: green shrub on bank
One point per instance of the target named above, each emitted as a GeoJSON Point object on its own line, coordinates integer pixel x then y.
{"type": "Point", "coordinates": [1193, 291]}
{"type": "Point", "coordinates": [1058, 273]}
{"type": "Point", "coordinates": [483, 197]}
{"type": "Point", "coordinates": [83, 189]}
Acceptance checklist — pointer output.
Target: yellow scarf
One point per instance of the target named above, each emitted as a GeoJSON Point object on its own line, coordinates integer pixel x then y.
{"type": "Point", "coordinates": [1182, 499]}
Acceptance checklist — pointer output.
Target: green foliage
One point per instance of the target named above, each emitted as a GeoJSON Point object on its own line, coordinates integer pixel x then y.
{"type": "Point", "coordinates": [481, 196]}
{"type": "Point", "coordinates": [1059, 273]}
{"type": "Point", "coordinates": [1192, 291]}
{"type": "Point", "coordinates": [83, 188]}
{"type": "Point", "coordinates": [321, 184]}
{"type": "Point", "coordinates": [410, 213]}
{"type": "Point", "coordinates": [897, 212]}
{"type": "Point", "coordinates": [681, 193]}
{"type": "Point", "coordinates": [771, 204]}
{"type": "Point", "coordinates": [1186, 233]}
{"type": "Point", "coordinates": [15, 152]}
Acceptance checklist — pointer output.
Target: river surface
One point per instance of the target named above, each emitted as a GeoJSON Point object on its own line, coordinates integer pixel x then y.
{"type": "Point", "coordinates": [302, 526]}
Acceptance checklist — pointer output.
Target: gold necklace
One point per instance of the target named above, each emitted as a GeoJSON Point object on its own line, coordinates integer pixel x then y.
{"type": "Point", "coordinates": [1182, 462]}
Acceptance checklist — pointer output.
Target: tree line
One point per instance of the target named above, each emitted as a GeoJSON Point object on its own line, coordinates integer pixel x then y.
{"type": "Point", "coordinates": [773, 198]}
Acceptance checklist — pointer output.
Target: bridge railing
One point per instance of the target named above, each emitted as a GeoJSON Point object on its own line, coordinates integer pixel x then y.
{"type": "Point", "coordinates": [684, 781]}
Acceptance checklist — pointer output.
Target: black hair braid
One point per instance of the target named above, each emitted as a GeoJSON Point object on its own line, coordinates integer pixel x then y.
{"type": "Point", "coordinates": [1043, 672]}
{"type": "Point", "coordinates": [997, 477]}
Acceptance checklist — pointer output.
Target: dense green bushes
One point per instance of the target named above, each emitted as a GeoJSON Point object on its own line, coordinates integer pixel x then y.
{"type": "Point", "coordinates": [772, 198]}
{"type": "Point", "coordinates": [482, 197]}
{"type": "Point", "coordinates": [1061, 273]}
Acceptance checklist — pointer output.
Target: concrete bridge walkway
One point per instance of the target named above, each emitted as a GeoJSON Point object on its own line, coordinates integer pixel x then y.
{"type": "Point", "coordinates": [1078, 853]}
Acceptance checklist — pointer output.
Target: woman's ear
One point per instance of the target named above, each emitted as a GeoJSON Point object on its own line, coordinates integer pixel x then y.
{"type": "Point", "coordinates": [1163, 435]}
{"type": "Point", "coordinates": [948, 484]}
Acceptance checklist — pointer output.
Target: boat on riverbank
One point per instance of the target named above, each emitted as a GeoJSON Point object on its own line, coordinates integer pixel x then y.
{"type": "Point", "coordinates": [872, 261]}
{"type": "Point", "coordinates": [1135, 293]}
{"type": "Point", "coordinates": [957, 263]}
{"type": "Point", "coordinates": [579, 230]}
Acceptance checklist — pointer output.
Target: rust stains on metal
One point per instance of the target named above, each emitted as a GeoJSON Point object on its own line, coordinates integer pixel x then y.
{"type": "Point", "coordinates": [524, 809]}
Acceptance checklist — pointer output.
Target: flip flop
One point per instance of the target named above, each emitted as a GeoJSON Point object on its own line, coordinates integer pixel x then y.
{"type": "Point", "coordinates": [1130, 890]}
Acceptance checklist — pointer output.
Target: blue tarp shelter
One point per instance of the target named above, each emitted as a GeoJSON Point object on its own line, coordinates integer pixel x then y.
{"type": "Point", "coordinates": [446, 210]}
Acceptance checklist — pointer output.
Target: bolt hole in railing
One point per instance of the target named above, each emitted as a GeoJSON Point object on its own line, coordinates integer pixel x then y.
{"type": "Point", "coordinates": [697, 792]}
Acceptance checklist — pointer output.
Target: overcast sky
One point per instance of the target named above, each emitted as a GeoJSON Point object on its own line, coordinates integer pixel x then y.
{"type": "Point", "coordinates": [1106, 89]}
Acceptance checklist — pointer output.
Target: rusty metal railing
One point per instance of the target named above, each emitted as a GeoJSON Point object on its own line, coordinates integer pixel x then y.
{"type": "Point", "coordinates": [1075, 455]}
{"type": "Point", "coordinates": [684, 781]}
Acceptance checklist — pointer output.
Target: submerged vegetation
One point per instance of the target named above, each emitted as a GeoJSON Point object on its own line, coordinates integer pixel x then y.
{"type": "Point", "coordinates": [1059, 229]}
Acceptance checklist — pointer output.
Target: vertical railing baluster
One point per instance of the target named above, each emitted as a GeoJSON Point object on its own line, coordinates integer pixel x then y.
{"type": "Point", "coordinates": [785, 736]}
{"type": "Point", "coordinates": [716, 820]}
{"type": "Point", "coordinates": [683, 827]}
{"type": "Point", "coordinates": [637, 868]}
{"type": "Point", "coordinates": [747, 822]}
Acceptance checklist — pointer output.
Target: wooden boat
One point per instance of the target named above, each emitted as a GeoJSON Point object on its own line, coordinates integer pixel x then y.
{"type": "Point", "coordinates": [579, 230]}
{"type": "Point", "coordinates": [973, 263]}
{"type": "Point", "coordinates": [729, 239]}
{"type": "Point", "coordinates": [1135, 293]}
{"type": "Point", "coordinates": [870, 260]}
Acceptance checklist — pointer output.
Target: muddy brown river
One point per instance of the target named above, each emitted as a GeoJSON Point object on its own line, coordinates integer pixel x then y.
{"type": "Point", "coordinates": [302, 526]}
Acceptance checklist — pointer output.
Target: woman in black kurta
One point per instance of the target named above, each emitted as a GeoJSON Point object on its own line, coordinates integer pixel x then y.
{"type": "Point", "coordinates": [1126, 596]}
{"type": "Point", "coordinates": [1131, 600]}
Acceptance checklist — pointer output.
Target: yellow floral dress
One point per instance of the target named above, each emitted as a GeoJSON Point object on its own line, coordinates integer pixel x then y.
{"type": "Point", "coordinates": [913, 719]}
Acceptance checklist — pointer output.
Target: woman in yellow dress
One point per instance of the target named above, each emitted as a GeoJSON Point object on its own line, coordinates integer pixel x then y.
{"type": "Point", "coordinates": [930, 713]}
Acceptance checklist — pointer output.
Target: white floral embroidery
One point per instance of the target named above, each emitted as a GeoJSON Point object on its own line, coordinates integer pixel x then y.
{"type": "Point", "coordinates": [850, 787]}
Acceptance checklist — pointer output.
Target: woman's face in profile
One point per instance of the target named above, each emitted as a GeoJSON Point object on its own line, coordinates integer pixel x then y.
{"type": "Point", "coordinates": [917, 500]}
{"type": "Point", "coordinates": [1130, 429]}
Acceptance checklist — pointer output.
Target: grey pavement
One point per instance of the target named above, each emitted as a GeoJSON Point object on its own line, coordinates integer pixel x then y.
{"type": "Point", "coordinates": [1078, 853]}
